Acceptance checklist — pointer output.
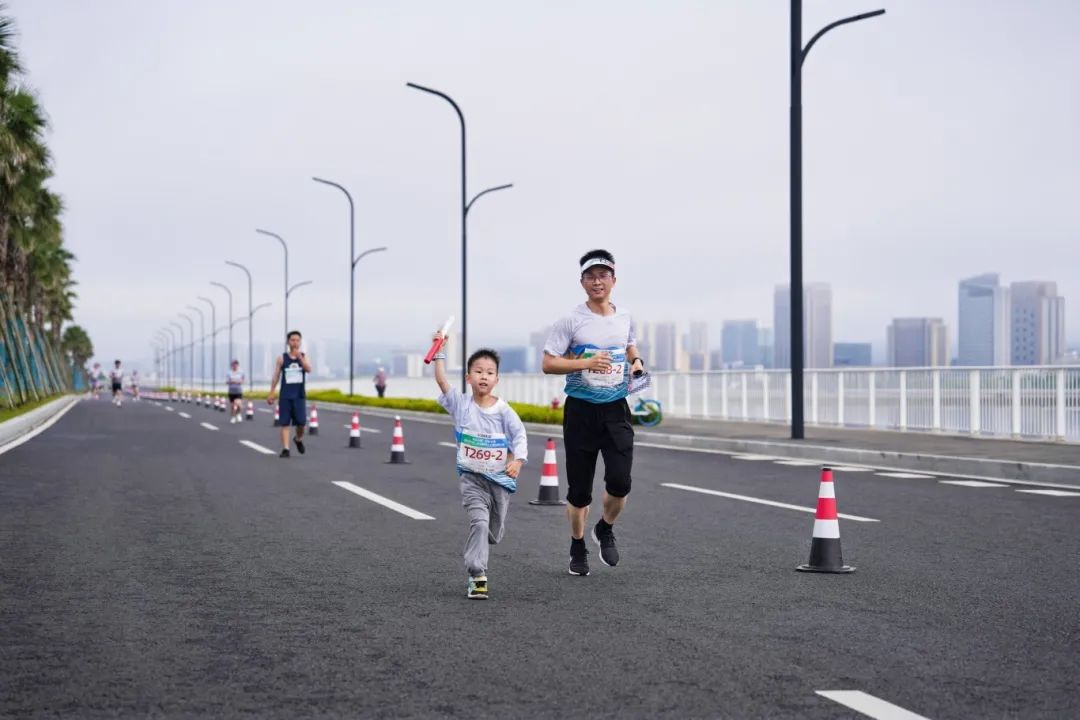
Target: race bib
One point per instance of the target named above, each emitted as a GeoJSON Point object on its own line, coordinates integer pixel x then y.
{"type": "Point", "coordinates": [482, 453]}
{"type": "Point", "coordinates": [294, 374]}
{"type": "Point", "coordinates": [612, 377]}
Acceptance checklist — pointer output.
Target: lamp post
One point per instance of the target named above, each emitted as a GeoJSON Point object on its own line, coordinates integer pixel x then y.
{"type": "Point", "coordinates": [251, 338]}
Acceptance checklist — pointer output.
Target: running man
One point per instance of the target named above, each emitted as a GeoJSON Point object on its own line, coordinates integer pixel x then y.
{"type": "Point", "coordinates": [293, 366]}
{"type": "Point", "coordinates": [235, 381]}
{"type": "Point", "coordinates": [117, 377]}
{"type": "Point", "coordinates": [593, 347]}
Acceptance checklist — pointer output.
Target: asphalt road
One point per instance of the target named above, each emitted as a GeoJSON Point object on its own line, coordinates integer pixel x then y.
{"type": "Point", "coordinates": [153, 567]}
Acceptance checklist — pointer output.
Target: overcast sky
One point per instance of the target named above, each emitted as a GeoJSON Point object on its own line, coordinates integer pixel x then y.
{"type": "Point", "coordinates": [941, 141]}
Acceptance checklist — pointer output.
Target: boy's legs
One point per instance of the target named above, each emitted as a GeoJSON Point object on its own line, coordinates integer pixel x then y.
{"type": "Point", "coordinates": [477, 499]}
{"type": "Point", "coordinates": [500, 507]}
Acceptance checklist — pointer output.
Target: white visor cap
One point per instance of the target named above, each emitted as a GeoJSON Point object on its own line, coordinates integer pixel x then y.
{"type": "Point", "coordinates": [597, 261]}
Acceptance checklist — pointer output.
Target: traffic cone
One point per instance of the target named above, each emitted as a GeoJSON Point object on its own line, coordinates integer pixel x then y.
{"type": "Point", "coordinates": [549, 479]}
{"type": "Point", "coordinates": [397, 445]}
{"type": "Point", "coordinates": [223, 406]}
{"type": "Point", "coordinates": [825, 555]}
{"type": "Point", "coordinates": [250, 410]}
{"type": "Point", "coordinates": [277, 414]}
{"type": "Point", "coordinates": [354, 431]}
{"type": "Point", "coordinates": [313, 423]}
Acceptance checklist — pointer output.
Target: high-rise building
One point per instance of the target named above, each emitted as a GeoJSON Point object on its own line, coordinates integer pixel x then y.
{"type": "Point", "coordinates": [1037, 330]}
{"type": "Point", "coordinates": [984, 321]}
{"type": "Point", "coordinates": [817, 326]}
{"type": "Point", "coordinates": [917, 342]}
{"type": "Point", "coordinates": [664, 348]}
{"type": "Point", "coordinates": [852, 354]}
{"type": "Point", "coordinates": [739, 343]}
{"type": "Point", "coordinates": [406, 364]}
{"type": "Point", "coordinates": [765, 348]}
{"type": "Point", "coordinates": [514, 359]}
{"type": "Point", "coordinates": [696, 346]}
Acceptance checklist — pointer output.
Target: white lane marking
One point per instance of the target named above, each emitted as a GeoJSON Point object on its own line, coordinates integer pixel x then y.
{"type": "Point", "coordinates": [849, 469]}
{"type": "Point", "coordinates": [36, 431]}
{"type": "Point", "coordinates": [257, 447]}
{"type": "Point", "coordinates": [869, 705]}
{"type": "Point", "coordinates": [449, 445]}
{"type": "Point", "coordinates": [754, 458]}
{"type": "Point", "coordinates": [208, 426]}
{"type": "Point", "coordinates": [971, 483]}
{"type": "Point", "coordinates": [169, 408]}
{"type": "Point", "coordinates": [795, 463]}
{"type": "Point", "coordinates": [385, 502]}
{"type": "Point", "coordinates": [1053, 493]}
{"type": "Point", "coordinates": [348, 426]}
{"type": "Point", "coordinates": [691, 488]}
{"type": "Point", "coordinates": [265, 410]}
{"type": "Point", "coordinates": [905, 475]}
{"type": "Point", "coordinates": [184, 415]}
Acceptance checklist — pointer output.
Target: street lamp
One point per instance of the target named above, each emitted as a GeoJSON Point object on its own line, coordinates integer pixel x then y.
{"type": "Point", "coordinates": [798, 57]}
{"type": "Point", "coordinates": [202, 344]}
{"type": "Point", "coordinates": [179, 354]}
{"type": "Point", "coordinates": [191, 367]}
{"type": "Point", "coordinates": [164, 338]}
{"type": "Point", "coordinates": [352, 275]}
{"type": "Point", "coordinates": [229, 292]}
{"type": "Point", "coordinates": [251, 339]}
{"type": "Point", "coordinates": [287, 290]}
{"type": "Point", "coordinates": [290, 292]}
{"type": "Point", "coordinates": [464, 227]}
{"type": "Point", "coordinates": [213, 339]}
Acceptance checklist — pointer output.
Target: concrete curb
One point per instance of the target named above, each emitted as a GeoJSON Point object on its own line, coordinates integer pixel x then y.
{"type": "Point", "coordinates": [17, 427]}
{"type": "Point", "coordinates": [1000, 469]}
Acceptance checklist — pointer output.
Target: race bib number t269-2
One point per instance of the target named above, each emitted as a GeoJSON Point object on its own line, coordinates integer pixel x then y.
{"type": "Point", "coordinates": [483, 453]}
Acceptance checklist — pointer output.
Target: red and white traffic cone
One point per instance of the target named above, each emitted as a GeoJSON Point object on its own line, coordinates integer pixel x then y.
{"type": "Point", "coordinates": [825, 555]}
{"type": "Point", "coordinates": [250, 410]}
{"type": "Point", "coordinates": [549, 479]}
{"type": "Point", "coordinates": [397, 444]}
{"type": "Point", "coordinates": [224, 405]}
{"type": "Point", "coordinates": [277, 414]}
{"type": "Point", "coordinates": [313, 423]}
{"type": "Point", "coordinates": [354, 431]}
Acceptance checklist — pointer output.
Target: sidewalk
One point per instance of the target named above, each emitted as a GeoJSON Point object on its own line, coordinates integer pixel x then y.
{"type": "Point", "coordinates": [21, 428]}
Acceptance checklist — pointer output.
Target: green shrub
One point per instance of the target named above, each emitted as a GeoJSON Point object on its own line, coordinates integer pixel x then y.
{"type": "Point", "coordinates": [527, 413]}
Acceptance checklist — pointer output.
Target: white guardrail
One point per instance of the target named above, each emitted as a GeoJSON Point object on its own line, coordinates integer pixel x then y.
{"type": "Point", "coordinates": [1039, 403]}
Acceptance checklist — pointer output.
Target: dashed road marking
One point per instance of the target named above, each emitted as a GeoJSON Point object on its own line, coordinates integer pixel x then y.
{"type": "Point", "coordinates": [905, 475]}
{"type": "Point", "coordinates": [257, 447]}
{"type": "Point", "coordinates": [754, 458]}
{"type": "Point", "coordinates": [761, 501]}
{"type": "Point", "coordinates": [1053, 493]}
{"type": "Point", "coordinates": [972, 483]}
{"type": "Point", "coordinates": [385, 502]}
{"type": "Point", "coordinates": [849, 468]}
{"type": "Point", "coordinates": [449, 445]}
{"type": "Point", "coordinates": [184, 415]}
{"type": "Point", "coordinates": [208, 426]}
{"type": "Point", "coordinates": [869, 705]}
{"type": "Point", "coordinates": [169, 408]}
{"type": "Point", "coordinates": [796, 463]}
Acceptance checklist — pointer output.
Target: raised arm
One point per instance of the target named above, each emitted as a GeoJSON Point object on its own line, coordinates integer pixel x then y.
{"type": "Point", "coordinates": [440, 366]}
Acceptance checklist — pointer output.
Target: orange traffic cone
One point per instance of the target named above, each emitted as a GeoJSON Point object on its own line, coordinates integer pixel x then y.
{"type": "Point", "coordinates": [549, 479]}
{"type": "Point", "coordinates": [250, 410]}
{"type": "Point", "coordinates": [354, 431]}
{"type": "Point", "coordinates": [313, 424]}
{"type": "Point", "coordinates": [825, 555]}
{"type": "Point", "coordinates": [397, 444]}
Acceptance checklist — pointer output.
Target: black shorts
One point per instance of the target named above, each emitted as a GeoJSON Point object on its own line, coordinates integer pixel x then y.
{"type": "Point", "coordinates": [292, 411]}
{"type": "Point", "coordinates": [590, 429]}
{"type": "Point", "coordinates": [233, 397]}
{"type": "Point", "coordinates": [116, 387]}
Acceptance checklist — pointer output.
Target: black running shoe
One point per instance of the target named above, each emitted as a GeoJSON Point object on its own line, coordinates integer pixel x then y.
{"type": "Point", "coordinates": [605, 538]}
{"type": "Point", "coordinates": [284, 453]}
{"type": "Point", "coordinates": [299, 444]}
{"type": "Point", "coordinates": [579, 559]}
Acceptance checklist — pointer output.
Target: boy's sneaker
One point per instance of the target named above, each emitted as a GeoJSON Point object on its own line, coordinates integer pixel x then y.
{"type": "Point", "coordinates": [604, 536]}
{"type": "Point", "coordinates": [478, 588]}
{"type": "Point", "coordinates": [579, 559]}
{"type": "Point", "coordinates": [284, 454]}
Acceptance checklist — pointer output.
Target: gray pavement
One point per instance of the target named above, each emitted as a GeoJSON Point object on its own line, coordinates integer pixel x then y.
{"type": "Point", "coordinates": [156, 568]}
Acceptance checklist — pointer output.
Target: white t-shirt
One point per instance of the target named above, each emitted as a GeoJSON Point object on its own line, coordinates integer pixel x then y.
{"type": "Point", "coordinates": [582, 334]}
{"type": "Point", "coordinates": [486, 436]}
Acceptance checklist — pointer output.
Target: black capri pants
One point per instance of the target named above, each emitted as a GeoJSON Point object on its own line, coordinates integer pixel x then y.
{"type": "Point", "coordinates": [590, 429]}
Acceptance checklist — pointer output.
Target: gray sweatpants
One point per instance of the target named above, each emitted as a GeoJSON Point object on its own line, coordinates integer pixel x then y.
{"type": "Point", "coordinates": [486, 503]}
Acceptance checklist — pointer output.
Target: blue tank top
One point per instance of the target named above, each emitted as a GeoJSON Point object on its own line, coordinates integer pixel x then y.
{"type": "Point", "coordinates": [293, 378]}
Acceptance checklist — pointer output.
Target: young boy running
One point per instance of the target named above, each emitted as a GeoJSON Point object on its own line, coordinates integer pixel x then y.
{"type": "Point", "coordinates": [492, 448]}
{"type": "Point", "coordinates": [596, 349]}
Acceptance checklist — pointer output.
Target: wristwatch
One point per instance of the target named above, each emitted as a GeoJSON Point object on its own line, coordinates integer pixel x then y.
{"type": "Point", "coordinates": [642, 370]}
